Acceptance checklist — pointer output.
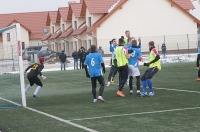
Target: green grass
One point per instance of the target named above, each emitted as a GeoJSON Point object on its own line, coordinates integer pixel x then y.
{"type": "Point", "coordinates": [68, 95]}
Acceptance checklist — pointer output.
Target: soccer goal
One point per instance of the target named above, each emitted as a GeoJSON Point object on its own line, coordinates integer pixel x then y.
{"type": "Point", "coordinates": [12, 91]}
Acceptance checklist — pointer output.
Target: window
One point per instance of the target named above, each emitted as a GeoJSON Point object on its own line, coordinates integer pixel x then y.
{"type": "Point", "coordinates": [23, 45]}
{"type": "Point", "coordinates": [75, 24]}
{"type": "Point", "coordinates": [52, 29]}
{"type": "Point", "coordinates": [89, 22]}
{"type": "Point", "coordinates": [45, 31]}
{"type": "Point", "coordinates": [8, 36]}
{"type": "Point", "coordinates": [90, 43]}
{"type": "Point", "coordinates": [63, 27]}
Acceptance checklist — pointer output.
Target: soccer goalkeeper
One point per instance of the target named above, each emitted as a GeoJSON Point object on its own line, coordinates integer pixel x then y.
{"type": "Point", "coordinates": [33, 76]}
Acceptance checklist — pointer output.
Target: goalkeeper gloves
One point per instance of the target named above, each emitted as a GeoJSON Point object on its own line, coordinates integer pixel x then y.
{"type": "Point", "coordinates": [146, 64]}
{"type": "Point", "coordinates": [43, 77]}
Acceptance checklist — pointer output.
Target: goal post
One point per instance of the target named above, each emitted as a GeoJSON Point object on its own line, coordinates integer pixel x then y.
{"type": "Point", "coordinates": [12, 64]}
{"type": "Point", "coordinates": [21, 68]}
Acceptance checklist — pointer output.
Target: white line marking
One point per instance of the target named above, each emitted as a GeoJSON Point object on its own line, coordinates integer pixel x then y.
{"type": "Point", "coordinates": [131, 114]}
{"type": "Point", "coordinates": [168, 89]}
{"type": "Point", "coordinates": [188, 91]}
{"type": "Point", "coordinates": [52, 116]}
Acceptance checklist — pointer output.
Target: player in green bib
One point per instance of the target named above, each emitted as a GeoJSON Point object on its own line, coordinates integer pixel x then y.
{"type": "Point", "coordinates": [122, 57]}
{"type": "Point", "coordinates": [153, 67]}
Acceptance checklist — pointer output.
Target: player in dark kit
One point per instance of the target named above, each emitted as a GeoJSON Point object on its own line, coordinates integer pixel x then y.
{"type": "Point", "coordinates": [33, 76]}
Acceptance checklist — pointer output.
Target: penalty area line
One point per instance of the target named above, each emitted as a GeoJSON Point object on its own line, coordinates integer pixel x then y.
{"type": "Point", "coordinates": [132, 114]}
{"type": "Point", "coordinates": [52, 116]}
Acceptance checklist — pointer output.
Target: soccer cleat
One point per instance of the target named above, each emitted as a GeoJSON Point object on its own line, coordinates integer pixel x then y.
{"type": "Point", "coordinates": [94, 100]}
{"type": "Point", "coordinates": [138, 92]}
{"type": "Point", "coordinates": [108, 84]}
{"type": "Point", "coordinates": [34, 96]}
{"type": "Point", "coordinates": [151, 94]}
{"type": "Point", "coordinates": [100, 98]}
{"type": "Point", "coordinates": [112, 80]}
{"type": "Point", "coordinates": [143, 94]}
{"type": "Point", "coordinates": [131, 92]}
{"type": "Point", "coordinates": [119, 93]}
{"type": "Point", "coordinates": [198, 79]}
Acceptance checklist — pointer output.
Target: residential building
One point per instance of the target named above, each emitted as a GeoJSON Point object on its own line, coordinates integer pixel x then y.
{"type": "Point", "coordinates": [33, 28]}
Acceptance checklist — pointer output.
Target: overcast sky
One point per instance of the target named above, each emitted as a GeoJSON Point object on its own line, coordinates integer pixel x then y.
{"type": "Point", "coordinates": [16, 6]}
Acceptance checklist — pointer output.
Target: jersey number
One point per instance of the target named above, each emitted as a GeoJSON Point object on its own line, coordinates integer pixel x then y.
{"type": "Point", "coordinates": [35, 67]}
{"type": "Point", "coordinates": [92, 62]}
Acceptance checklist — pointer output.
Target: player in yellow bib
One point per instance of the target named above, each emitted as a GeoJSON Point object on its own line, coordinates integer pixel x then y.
{"type": "Point", "coordinates": [122, 57]}
{"type": "Point", "coordinates": [153, 67]}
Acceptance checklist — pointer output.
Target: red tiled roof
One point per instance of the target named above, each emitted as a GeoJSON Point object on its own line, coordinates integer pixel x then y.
{"type": "Point", "coordinates": [100, 6]}
{"type": "Point", "coordinates": [82, 28]}
{"type": "Point", "coordinates": [51, 17]}
{"type": "Point", "coordinates": [74, 8]}
{"type": "Point", "coordinates": [34, 22]}
{"type": "Point", "coordinates": [55, 35]}
{"type": "Point", "coordinates": [62, 13]}
{"type": "Point", "coordinates": [185, 4]}
{"type": "Point", "coordinates": [67, 32]}
{"type": "Point", "coordinates": [46, 37]}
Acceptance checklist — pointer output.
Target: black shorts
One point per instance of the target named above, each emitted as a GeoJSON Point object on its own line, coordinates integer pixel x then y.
{"type": "Point", "coordinates": [149, 73]}
{"type": "Point", "coordinates": [34, 80]}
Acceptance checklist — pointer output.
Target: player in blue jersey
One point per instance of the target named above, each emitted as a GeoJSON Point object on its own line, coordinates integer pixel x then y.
{"type": "Point", "coordinates": [113, 69]}
{"type": "Point", "coordinates": [94, 61]}
{"type": "Point", "coordinates": [198, 67]}
{"type": "Point", "coordinates": [133, 62]}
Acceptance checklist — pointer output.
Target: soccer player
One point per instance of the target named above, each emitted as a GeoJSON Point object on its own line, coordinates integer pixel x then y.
{"type": "Point", "coordinates": [33, 76]}
{"type": "Point", "coordinates": [122, 57]}
{"type": "Point", "coordinates": [94, 61]}
{"type": "Point", "coordinates": [153, 67]}
{"type": "Point", "coordinates": [198, 67]}
{"type": "Point", "coordinates": [113, 69]}
{"type": "Point", "coordinates": [135, 56]}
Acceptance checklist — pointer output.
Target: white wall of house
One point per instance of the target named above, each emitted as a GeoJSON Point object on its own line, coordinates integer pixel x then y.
{"type": "Point", "coordinates": [36, 42]}
{"type": "Point", "coordinates": [155, 18]}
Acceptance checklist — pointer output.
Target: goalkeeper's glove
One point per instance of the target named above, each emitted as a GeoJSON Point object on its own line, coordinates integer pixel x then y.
{"type": "Point", "coordinates": [43, 77]}
{"type": "Point", "coordinates": [146, 64]}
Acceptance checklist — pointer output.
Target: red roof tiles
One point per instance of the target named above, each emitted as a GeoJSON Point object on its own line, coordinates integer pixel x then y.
{"type": "Point", "coordinates": [82, 28]}
{"type": "Point", "coordinates": [67, 32]}
{"type": "Point", "coordinates": [34, 22]}
{"type": "Point", "coordinates": [51, 17]}
{"type": "Point", "coordinates": [74, 8]}
{"type": "Point", "coordinates": [46, 37]}
{"type": "Point", "coordinates": [100, 6]}
{"type": "Point", "coordinates": [55, 35]}
{"type": "Point", "coordinates": [185, 4]}
{"type": "Point", "coordinates": [62, 13]}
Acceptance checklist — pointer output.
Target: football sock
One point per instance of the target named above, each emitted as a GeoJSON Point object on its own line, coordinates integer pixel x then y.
{"type": "Point", "coordinates": [149, 82]}
{"type": "Point", "coordinates": [130, 82]}
{"type": "Point", "coordinates": [28, 87]}
{"type": "Point", "coordinates": [144, 85]}
{"type": "Point", "coordinates": [37, 90]}
{"type": "Point", "coordinates": [138, 84]}
{"type": "Point", "coordinates": [101, 90]}
{"type": "Point", "coordinates": [94, 93]}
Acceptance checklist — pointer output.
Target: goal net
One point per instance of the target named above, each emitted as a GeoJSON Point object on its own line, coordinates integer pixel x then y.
{"type": "Point", "coordinates": [12, 92]}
